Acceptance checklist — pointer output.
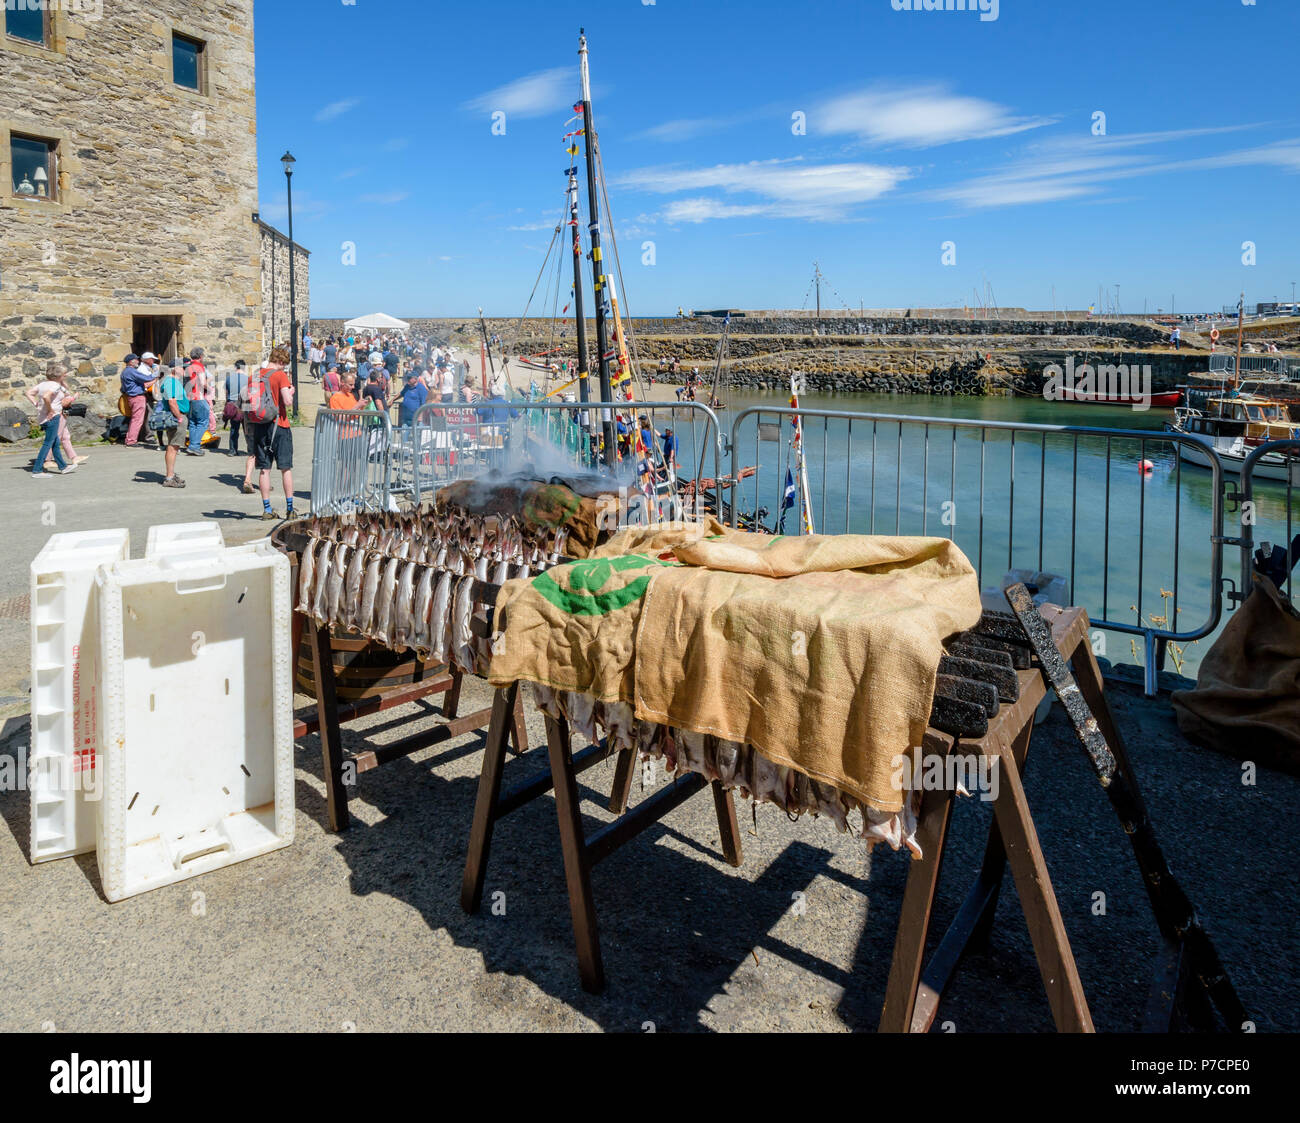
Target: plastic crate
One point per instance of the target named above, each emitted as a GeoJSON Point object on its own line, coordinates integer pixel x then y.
{"type": "Point", "coordinates": [66, 745]}
{"type": "Point", "coordinates": [197, 715]}
{"type": "Point", "coordinates": [182, 539]}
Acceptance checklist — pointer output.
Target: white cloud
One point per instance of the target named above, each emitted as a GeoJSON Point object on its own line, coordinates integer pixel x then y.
{"type": "Point", "coordinates": [917, 117]}
{"type": "Point", "coordinates": [682, 129]}
{"type": "Point", "coordinates": [534, 95]}
{"type": "Point", "coordinates": [1085, 166]}
{"type": "Point", "coordinates": [336, 109]}
{"type": "Point", "coordinates": [785, 188]}
{"type": "Point", "coordinates": [396, 144]}
{"type": "Point", "coordinates": [386, 199]}
{"type": "Point", "coordinates": [304, 206]}
{"type": "Point", "coordinates": [704, 209]}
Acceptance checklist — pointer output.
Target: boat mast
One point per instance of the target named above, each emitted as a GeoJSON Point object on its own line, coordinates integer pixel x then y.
{"type": "Point", "coordinates": [487, 351]}
{"type": "Point", "coordinates": [1241, 309]}
{"type": "Point", "coordinates": [597, 265]}
{"type": "Point", "coordinates": [579, 317]}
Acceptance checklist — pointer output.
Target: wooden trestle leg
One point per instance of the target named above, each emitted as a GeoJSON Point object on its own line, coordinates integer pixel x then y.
{"type": "Point", "coordinates": [624, 771]}
{"type": "Point", "coordinates": [914, 917]}
{"type": "Point", "coordinates": [327, 712]}
{"type": "Point", "coordinates": [577, 864]}
{"type": "Point", "coordinates": [485, 806]}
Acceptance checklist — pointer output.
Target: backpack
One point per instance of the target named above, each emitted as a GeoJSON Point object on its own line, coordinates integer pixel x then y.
{"type": "Point", "coordinates": [258, 405]}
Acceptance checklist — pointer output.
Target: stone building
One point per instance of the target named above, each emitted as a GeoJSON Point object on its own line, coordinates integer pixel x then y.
{"type": "Point", "coordinates": [128, 187]}
{"type": "Point", "coordinates": [276, 321]}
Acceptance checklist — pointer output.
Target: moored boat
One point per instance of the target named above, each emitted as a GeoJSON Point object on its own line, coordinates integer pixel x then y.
{"type": "Point", "coordinates": [1233, 425]}
{"type": "Point", "coordinates": [1166, 399]}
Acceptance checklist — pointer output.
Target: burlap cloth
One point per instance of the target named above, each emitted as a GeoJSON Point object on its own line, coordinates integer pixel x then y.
{"type": "Point", "coordinates": [819, 651]}
{"type": "Point", "coordinates": [1247, 696]}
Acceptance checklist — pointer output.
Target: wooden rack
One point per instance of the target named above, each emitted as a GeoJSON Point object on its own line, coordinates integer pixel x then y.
{"type": "Point", "coordinates": [340, 766]}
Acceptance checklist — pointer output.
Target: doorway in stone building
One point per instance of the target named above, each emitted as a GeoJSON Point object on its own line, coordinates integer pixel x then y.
{"type": "Point", "coordinates": [159, 334]}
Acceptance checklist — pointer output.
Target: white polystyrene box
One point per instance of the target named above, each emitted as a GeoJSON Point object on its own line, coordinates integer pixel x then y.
{"type": "Point", "coordinates": [198, 715]}
{"type": "Point", "coordinates": [176, 539]}
{"type": "Point", "coordinates": [62, 781]}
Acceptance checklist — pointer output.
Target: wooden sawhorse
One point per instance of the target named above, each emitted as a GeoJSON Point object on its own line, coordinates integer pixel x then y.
{"type": "Point", "coordinates": [912, 996]}
{"type": "Point", "coordinates": [580, 853]}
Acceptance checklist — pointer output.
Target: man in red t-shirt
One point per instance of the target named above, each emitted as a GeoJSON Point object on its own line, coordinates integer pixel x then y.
{"type": "Point", "coordinates": [273, 440]}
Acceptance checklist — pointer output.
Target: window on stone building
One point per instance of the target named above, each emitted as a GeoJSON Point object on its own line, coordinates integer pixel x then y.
{"type": "Point", "coordinates": [35, 167]}
{"type": "Point", "coordinates": [187, 61]}
{"type": "Point", "coordinates": [29, 22]}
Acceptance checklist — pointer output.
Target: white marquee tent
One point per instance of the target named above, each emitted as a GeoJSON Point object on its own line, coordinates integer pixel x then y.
{"type": "Point", "coordinates": [376, 321]}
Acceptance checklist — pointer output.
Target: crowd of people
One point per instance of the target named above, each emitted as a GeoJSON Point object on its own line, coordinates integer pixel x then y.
{"type": "Point", "coordinates": [183, 407]}
{"type": "Point", "coordinates": [172, 408]}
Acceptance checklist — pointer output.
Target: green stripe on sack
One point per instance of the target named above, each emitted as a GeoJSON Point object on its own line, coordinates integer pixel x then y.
{"type": "Point", "coordinates": [576, 604]}
{"type": "Point", "coordinates": [587, 577]}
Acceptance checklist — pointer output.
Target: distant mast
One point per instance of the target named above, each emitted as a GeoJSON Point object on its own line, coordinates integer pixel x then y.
{"type": "Point", "coordinates": [597, 264]}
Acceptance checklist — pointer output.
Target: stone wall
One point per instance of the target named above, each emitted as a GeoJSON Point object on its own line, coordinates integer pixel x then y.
{"type": "Point", "coordinates": [808, 328]}
{"type": "Point", "coordinates": [157, 191]}
{"type": "Point", "coordinates": [276, 322]}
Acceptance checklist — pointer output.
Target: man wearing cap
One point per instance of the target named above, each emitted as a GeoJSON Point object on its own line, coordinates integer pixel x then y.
{"type": "Point", "coordinates": [133, 381]}
{"type": "Point", "coordinates": [414, 394]}
{"type": "Point", "coordinates": [670, 449]}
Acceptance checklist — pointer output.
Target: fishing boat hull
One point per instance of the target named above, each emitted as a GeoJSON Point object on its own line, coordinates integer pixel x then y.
{"type": "Point", "coordinates": [1232, 455]}
{"type": "Point", "coordinates": [1168, 399]}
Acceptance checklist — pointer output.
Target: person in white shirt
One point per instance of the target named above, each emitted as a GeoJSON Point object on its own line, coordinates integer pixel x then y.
{"type": "Point", "coordinates": [70, 454]}
{"type": "Point", "coordinates": [50, 397]}
{"type": "Point", "coordinates": [447, 384]}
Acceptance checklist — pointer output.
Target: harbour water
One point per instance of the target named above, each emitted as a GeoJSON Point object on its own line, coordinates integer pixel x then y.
{"type": "Point", "coordinates": [1134, 543]}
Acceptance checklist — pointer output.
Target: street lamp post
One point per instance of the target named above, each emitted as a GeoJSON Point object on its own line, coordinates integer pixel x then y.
{"type": "Point", "coordinates": [288, 161]}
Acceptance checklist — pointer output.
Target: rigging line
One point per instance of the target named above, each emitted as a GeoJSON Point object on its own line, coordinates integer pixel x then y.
{"type": "Point", "coordinates": [520, 325]}
{"type": "Point", "coordinates": [550, 345]}
{"type": "Point", "coordinates": [635, 361]}
{"type": "Point", "coordinates": [657, 455]}
{"type": "Point", "coordinates": [559, 261]}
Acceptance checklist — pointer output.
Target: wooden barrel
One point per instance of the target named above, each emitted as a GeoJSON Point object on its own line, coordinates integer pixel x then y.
{"type": "Point", "coordinates": [364, 670]}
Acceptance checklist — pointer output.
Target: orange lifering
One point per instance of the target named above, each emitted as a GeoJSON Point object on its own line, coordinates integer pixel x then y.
{"type": "Point", "coordinates": [1214, 336]}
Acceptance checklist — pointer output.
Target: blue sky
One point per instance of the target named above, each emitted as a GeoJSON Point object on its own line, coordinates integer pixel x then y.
{"type": "Point", "coordinates": [919, 128]}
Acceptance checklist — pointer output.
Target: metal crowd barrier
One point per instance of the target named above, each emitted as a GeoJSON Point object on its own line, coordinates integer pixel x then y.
{"type": "Point", "coordinates": [350, 464]}
{"type": "Point", "coordinates": [1272, 366]}
{"type": "Point", "coordinates": [1070, 500]}
{"type": "Point", "coordinates": [1261, 516]}
{"type": "Point", "coordinates": [450, 441]}
{"type": "Point", "coordinates": [1113, 511]}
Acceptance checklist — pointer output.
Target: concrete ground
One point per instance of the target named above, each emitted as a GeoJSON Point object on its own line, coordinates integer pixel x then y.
{"type": "Point", "coordinates": [364, 930]}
